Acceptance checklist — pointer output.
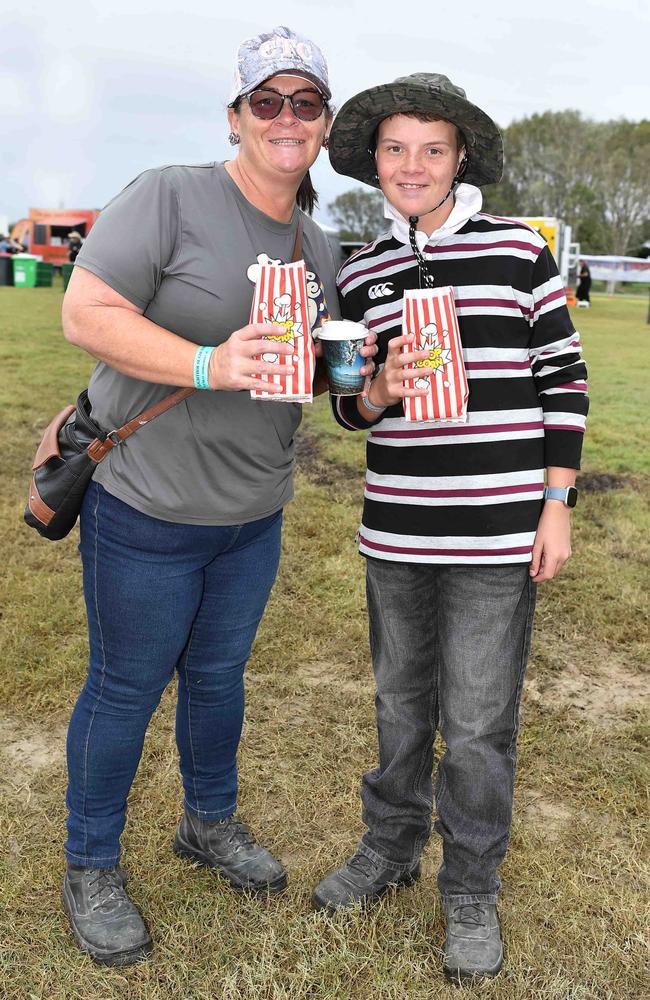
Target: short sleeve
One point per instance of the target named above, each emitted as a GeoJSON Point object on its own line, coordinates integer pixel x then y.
{"type": "Point", "coordinates": [135, 238]}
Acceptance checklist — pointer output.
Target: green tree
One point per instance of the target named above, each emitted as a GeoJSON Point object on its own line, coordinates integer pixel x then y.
{"type": "Point", "coordinates": [623, 179]}
{"type": "Point", "coordinates": [594, 175]}
{"type": "Point", "coordinates": [359, 214]}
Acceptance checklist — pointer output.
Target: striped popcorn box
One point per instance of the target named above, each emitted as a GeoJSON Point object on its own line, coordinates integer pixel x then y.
{"type": "Point", "coordinates": [430, 314]}
{"type": "Point", "coordinates": [281, 298]}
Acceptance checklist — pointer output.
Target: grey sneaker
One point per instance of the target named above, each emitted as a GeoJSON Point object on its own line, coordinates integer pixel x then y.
{"type": "Point", "coordinates": [228, 846]}
{"type": "Point", "coordinates": [104, 921]}
{"type": "Point", "coordinates": [473, 945]}
{"type": "Point", "coordinates": [359, 881]}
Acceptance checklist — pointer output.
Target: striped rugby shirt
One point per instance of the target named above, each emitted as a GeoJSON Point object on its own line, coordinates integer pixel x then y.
{"type": "Point", "coordinates": [470, 493]}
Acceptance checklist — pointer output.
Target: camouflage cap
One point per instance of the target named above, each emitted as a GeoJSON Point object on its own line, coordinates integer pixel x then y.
{"type": "Point", "coordinates": [279, 51]}
{"type": "Point", "coordinates": [352, 139]}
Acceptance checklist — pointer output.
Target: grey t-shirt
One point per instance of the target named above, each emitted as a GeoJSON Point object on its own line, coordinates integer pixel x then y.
{"type": "Point", "coordinates": [183, 244]}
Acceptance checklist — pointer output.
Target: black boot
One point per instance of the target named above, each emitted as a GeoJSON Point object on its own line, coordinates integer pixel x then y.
{"type": "Point", "coordinates": [106, 924]}
{"type": "Point", "coordinates": [228, 846]}
{"type": "Point", "coordinates": [360, 881]}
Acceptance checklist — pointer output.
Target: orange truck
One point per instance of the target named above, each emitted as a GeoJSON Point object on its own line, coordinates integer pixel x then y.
{"type": "Point", "coordinates": [45, 232]}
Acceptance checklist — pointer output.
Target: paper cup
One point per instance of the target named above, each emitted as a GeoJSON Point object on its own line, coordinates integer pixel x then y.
{"type": "Point", "coordinates": [342, 341]}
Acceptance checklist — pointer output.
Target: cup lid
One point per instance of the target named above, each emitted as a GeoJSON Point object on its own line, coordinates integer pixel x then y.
{"type": "Point", "coordinates": [342, 329]}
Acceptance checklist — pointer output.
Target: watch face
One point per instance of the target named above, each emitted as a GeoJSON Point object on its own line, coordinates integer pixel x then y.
{"type": "Point", "coordinates": [571, 496]}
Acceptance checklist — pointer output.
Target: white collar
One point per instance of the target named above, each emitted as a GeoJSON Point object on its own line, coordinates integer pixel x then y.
{"type": "Point", "coordinates": [467, 202]}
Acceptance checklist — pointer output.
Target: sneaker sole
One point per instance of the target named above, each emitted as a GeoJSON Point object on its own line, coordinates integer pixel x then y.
{"type": "Point", "coordinates": [187, 853]}
{"type": "Point", "coordinates": [408, 879]}
{"type": "Point", "coordinates": [117, 958]}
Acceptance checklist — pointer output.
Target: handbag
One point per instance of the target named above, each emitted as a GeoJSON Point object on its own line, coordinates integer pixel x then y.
{"type": "Point", "coordinates": [71, 448]}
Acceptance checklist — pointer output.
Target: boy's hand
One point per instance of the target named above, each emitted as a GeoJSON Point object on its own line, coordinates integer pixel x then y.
{"type": "Point", "coordinates": [552, 545]}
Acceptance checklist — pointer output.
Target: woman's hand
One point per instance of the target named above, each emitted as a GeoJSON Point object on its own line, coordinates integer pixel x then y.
{"type": "Point", "coordinates": [233, 363]}
{"type": "Point", "coordinates": [552, 545]}
{"type": "Point", "coordinates": [391, 384]}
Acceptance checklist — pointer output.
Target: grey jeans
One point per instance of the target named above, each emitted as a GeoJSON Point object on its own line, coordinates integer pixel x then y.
{"type": "Point", "coordinates": [449, 649]}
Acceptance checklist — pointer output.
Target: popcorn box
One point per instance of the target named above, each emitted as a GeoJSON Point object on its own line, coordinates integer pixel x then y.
{"type": "Point", "coordinates": [281, 298]}
{"type": "Point", "coordinates": [430, 314]}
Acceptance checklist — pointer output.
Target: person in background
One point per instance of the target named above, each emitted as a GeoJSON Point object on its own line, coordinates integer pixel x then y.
{"type": "Point", "coordinates": [180, 527]}
{"type": "Point", "coordinates": [461, 521]}
{"type": "Point", "coordinates": [584, 285]}
{"type": "Point", "coordinates": [75, 243]}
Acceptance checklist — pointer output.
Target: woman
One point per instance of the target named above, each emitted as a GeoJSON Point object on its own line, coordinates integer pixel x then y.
{"type": "Point", "coordinates": [584, 285]}
{"type": "Point", "coordinates": [180, 529]}
{"type": "Point", "coordinates": [458, 527]}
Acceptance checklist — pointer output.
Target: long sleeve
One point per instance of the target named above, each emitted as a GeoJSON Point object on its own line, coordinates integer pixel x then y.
{"type": "Point", "coordinates": [559, 370]}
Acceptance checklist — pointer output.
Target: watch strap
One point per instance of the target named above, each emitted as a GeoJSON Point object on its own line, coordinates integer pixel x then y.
{"type": "Point", "coordinates": [565, 494]}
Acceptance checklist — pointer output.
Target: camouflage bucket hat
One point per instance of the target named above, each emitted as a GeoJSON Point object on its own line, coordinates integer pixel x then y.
{"type": "Point", "coordinates": [352, 139]}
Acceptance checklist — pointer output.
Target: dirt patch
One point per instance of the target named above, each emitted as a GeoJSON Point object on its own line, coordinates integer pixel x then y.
{"type": "Point", "coordinates": [321, 673]}
{"type": "Point", "coordinates": [551, 814]}
{"type": "Point", "coordinates": [600, 696]}
{"type": "Point", "coordinates": [26, 752]}
{"type": "Point", "coordinates": [318, 470]}
{"type": "Point", "coordinates": [601, 482]}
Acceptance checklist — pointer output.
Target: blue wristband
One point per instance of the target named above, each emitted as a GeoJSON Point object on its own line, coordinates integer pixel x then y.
{"type": "Point", "coordinates": [201, 366]}
{"type": "Point", "coordinates": [371, 406]}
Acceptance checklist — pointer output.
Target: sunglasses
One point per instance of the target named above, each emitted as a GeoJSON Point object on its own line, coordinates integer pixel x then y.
{"type": "Point", "coordinates": [307, 105]}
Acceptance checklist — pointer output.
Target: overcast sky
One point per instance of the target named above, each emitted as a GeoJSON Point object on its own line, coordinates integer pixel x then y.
{"type": "Point", "coordinates": [94, 91]}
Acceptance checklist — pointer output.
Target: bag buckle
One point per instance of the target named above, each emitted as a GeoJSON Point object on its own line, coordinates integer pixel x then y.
{"type": "Point", "coordinates": [114, 438]}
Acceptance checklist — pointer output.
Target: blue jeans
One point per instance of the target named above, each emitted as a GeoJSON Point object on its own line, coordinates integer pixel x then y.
{"type": "Point", "coordinates": [449, 649]}
{"type": "Point", "coordinates": [161, 597]}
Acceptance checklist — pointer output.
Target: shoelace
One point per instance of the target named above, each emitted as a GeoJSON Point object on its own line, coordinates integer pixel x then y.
{"type": "Point", "coordinates": [470, 913]}
{"type": "Point", "coordinates": [109, 887]}
{"type": "Point", "coordinates": [238, 833]}
{"type": "Point", "coordinates": [365, 865]}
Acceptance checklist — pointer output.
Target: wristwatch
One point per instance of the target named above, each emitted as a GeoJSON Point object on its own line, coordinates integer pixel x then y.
{"type": "Point", "coordinates": [568, 495]}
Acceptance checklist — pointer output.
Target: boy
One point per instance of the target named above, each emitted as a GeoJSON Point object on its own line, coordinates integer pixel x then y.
{"type": "Point", "coordinates": [461, 521]}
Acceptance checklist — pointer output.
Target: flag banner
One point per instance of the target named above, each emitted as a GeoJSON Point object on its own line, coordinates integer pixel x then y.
{"type": "Point", "coordinates": [281, 298]}
{"type": "Point", "coordinates": [430, 315]}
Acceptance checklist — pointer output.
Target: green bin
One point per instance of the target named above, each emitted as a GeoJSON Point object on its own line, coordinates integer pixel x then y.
{"type": "Point", "coordinates": [66, 271]}
{"type": "Point", "coordinates": [25, 270]}
{"type": "Point", "coordinates": [44, 275]}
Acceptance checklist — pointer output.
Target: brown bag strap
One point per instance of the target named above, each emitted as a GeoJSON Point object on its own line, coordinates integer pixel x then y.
{"type": "Point", "coordinates": [297, 246]}
{"type": "Point", "coordinates": [97, 450]}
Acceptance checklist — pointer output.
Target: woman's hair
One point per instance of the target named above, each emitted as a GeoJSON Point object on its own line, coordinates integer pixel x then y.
{"type": "Point", "coordinates": [306, 195]}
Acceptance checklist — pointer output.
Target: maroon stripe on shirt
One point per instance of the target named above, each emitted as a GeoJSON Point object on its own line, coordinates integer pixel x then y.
{"type": "Point", "coordinates": [408, 551]}
{"type": "Point", "coordinates": [384, 319]}
{"type": "Point", "coordinates": [387, 266]}
{"type": "Point", "coordinates": [473, 247]}
{"type": "Point", "coordinates": [558, 294]}
{"type": "Point", "coordinates": [490, 491]}
{"type": "Point", "coordinates": [505, 303]}
{"type": "Point", "coordinates": [564, 427]}
{"type": "Point", "coordinates": [533, 425]}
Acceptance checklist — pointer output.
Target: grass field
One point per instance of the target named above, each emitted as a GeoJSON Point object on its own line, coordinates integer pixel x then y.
{"type": "Point", "coordinates": [574, 906]}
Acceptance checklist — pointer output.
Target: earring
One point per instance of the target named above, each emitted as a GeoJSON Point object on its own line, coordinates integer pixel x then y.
{"type": "Point", "coordinates": [326, 142]}
{"type": "Point", "coordinates": [233, 138]}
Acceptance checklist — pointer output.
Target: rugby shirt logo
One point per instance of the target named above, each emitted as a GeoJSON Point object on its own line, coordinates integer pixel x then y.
{"type": "Point", "coordinates": [379, 291]}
